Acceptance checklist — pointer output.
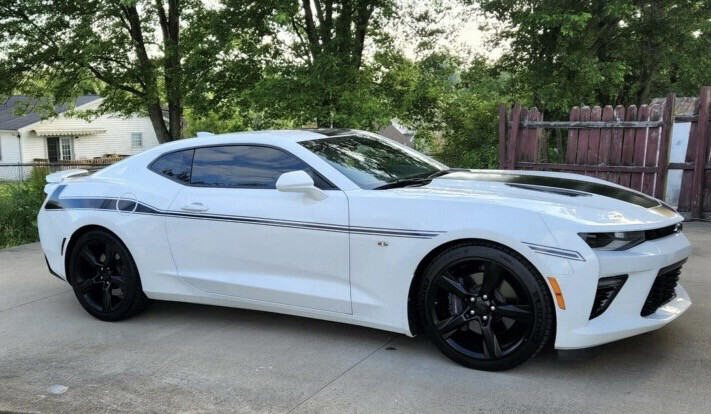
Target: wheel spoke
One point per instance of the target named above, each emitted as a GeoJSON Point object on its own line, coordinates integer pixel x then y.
{"type": "Point", "coordinates": [492, 278]}
{"type": "Point", "coordinates": [491, 343]}
{"type": "Point", "coordinates": [118, 281]}
{"type": "Point", "coordinates": [521, 313]}
{"type": "Point", "coordinates": [89, 257]}
{"type": "Point", "coordinates": [448, 326]}
{"type": "Point", "coordinates": [451, 285]}
{"type": "Point", "coordinates": [106, 302]}
{"type": "Point", "coordinates": [87, 284]}
{"type": "Point", "coordinates": [110, 253]}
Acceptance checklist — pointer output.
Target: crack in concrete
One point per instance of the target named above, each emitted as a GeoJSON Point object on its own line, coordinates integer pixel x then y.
{"type": "Point", "coordinates": [33, 301]}
{"type": "Point", "coordinates": [344, 373]}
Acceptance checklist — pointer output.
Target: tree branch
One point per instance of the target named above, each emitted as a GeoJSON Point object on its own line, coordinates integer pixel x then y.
{"type": "Point", "coordinates": [113, 83]}
{"type": "Point", "coordinates": [311, 28]}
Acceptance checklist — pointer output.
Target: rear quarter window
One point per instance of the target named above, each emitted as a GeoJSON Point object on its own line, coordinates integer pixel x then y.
{"type": "Point", "coordinates": [176, 165]}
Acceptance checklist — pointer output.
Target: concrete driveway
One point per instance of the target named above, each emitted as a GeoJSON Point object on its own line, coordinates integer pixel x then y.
{"type": "Point", "coordinates": [177, 357]}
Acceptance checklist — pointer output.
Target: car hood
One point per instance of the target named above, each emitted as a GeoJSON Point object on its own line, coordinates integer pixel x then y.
{"type": "Point", "coordinates": [571, 196]}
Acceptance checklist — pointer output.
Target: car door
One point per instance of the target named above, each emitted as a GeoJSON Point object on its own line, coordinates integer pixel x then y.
{"type": "Point", "coordinates": [233, 233]}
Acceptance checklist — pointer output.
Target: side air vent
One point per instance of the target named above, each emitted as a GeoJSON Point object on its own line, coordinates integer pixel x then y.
{"type": "Point", "coordinates": [607, 289]}
{"type": "Point", "coordinates": [663, 288]}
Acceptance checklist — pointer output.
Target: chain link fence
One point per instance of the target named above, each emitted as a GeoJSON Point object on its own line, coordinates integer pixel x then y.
{"type": "Point", "coordinates": [23, 171]}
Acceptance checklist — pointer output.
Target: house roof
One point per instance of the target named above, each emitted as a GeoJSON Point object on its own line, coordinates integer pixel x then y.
{"type": "Point", "coordinates": [9, 121]}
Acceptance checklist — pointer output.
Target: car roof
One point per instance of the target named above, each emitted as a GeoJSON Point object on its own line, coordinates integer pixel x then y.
{"type": "Point", "coordinates": [256, 137]}
{"type": "Point", "coordinates": [291, 135]}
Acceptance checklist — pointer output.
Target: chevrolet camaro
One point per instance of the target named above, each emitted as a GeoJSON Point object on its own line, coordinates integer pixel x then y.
{"type": "Point", "coordinates": [352, 227]}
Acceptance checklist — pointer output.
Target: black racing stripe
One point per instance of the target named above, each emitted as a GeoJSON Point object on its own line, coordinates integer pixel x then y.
{"type": "Point", "coordinates": [56, 203]}
{"type": "Point", "coordinates": [558, 182]}
{"type": "Point", "coordinates": [53, 202]}
{"type": "Point", "coordinates": [126, 205]}
{"type": "Point", "coordinates": [299, 224]}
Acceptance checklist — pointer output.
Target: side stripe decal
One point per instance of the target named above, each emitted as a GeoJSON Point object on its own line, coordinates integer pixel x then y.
{"type": "Point", "coordinates": [104, 204]}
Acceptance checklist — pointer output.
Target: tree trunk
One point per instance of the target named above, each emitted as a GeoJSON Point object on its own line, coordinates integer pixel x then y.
{"type": "Point", "coordinates": [155, 114]}
{"type": "Point", "coordinates": [170, 26]}
{"type": "Point", "coordinates": [151, 97]}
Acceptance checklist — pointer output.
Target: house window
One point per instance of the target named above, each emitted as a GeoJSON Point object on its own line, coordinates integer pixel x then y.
{"type": "Point", "coordinates": [59, 149]}
{"type": "Point", "coordinates": [66, 148]}
{"type": "Point", "coordinates": [136, 139]}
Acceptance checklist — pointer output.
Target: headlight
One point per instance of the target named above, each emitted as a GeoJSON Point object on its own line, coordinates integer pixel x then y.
{"type": "Point", "coordinates": [613, 241]}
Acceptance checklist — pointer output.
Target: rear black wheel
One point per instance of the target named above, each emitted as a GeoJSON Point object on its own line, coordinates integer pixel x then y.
{"type": "Point", "coordinates": [485, 307]}
{"type": "Point", "coordinates": [105, 278]}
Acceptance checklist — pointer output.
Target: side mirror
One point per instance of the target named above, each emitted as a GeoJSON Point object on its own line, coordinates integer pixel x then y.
{"type": "Point", "coordinates": [299, 182]}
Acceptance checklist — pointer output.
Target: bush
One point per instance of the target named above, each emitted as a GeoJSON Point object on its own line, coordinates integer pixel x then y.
{"type": "Point", "coordinates": [19, 205]}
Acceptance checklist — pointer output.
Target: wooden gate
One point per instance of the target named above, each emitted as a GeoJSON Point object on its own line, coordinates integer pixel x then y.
{"type": "Point", "coordinates": [629, 146]}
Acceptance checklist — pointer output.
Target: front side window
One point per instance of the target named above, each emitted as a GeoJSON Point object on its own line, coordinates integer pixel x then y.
{"type": "Point", "coordinates": [372, 162]}
{"type": "Point", "coordinates": [245, 166]}
{"type": "Point", "coordinates": [175, 165]}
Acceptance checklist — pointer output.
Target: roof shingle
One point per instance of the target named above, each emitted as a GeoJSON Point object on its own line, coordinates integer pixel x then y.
{"type": "Point", "coordinates": [9, 121]}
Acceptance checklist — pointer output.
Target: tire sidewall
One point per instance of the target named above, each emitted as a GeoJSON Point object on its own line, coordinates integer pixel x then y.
{"type": "Point", "coordinates": [529, 279]}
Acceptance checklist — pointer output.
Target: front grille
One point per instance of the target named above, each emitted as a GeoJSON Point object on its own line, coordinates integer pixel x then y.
{"type": "Point", "coordinates": [607, 289]}
{"type": "Point", "coordinates": [662, 232]}
{"type": "Point", "coordinates": [663, 288]}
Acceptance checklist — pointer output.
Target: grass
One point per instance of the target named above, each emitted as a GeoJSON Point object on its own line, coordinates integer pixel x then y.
{"type": "Point", "coordinates": [19, 204]}
{"type": "Point", "coordinates": [5, 188]}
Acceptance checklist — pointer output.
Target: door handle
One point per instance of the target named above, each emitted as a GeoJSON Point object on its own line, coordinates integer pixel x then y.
{"type": "Point", "coordinates": [195, 207]}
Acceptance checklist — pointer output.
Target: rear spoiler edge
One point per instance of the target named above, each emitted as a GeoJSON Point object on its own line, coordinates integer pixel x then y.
{"type": "Point", "coordinates": [60, 176]}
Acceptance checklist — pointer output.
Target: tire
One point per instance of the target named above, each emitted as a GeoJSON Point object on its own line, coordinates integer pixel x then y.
{"type": "Point", "coordinates": [485, 306]}
{"type": "Point", "coordinates": [105, 278]}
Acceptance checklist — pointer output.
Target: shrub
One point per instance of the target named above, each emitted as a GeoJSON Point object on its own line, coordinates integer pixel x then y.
{"type": "Point", "coordinates": [19, 205]}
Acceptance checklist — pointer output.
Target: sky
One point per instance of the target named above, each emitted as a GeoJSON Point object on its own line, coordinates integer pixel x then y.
{"type": "Point", "coordinates": [468, 28]}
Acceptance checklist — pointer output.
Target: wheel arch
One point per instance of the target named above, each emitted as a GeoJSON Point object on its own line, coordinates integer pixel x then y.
{"type": "Point", "coordinates": [412, 316]}
{"type": "Point", "coordinates": [76, 235]}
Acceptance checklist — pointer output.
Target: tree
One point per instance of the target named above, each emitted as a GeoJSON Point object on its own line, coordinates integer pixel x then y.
{"type": "Point", "coordinates": [568, 52]}
{"type": "Point", "coordinates": [318, 75]}
{"type": "Point", "coordinates": [133, 52]}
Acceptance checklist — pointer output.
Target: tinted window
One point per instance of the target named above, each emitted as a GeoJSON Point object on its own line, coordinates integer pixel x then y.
{"type": "Point", "coordinates": [176, 165]}
{"type": "Point", "coordinates": [245, 166]}
{"type": "Point", "coordinates": [371, 162]}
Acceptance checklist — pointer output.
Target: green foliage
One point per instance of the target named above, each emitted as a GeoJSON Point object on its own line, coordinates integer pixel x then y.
{"type": "Point", "coordinates": [19, 205]}
{"type": "Point", "coordinates": [565, 53]}
{"type": "Point", "coordinates": [268, 64]}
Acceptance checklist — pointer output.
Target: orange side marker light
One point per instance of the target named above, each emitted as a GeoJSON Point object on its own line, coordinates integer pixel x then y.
{"type": "Point", "coordinates": [557, 291]}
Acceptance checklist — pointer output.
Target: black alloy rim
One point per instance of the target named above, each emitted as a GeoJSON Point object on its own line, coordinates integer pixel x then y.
{"type": "Point", "coordinates": [101, 275]}
{"type": "Point", "coordinates": [480, 308]}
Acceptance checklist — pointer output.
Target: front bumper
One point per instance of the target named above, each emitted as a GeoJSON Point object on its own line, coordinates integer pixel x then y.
{"type": "Point", "coordinates": [622, 318]}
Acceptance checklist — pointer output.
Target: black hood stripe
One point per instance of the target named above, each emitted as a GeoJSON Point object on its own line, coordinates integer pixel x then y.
{"type": "Point", "coordinates": [521, 180]}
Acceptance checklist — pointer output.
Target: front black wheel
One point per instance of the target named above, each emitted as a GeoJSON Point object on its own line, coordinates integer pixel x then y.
{"type": "Point", "coordinates": [485, 307]}
{"type": "Point", "coordinates": [105, 278]}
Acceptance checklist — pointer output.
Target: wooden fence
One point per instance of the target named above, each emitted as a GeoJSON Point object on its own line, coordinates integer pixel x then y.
{"type": "Point", "coordinates": [629, 146]}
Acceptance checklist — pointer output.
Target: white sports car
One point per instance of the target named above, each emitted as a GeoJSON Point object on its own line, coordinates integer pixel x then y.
{"type": "Point", "coordinates": [348, 226]}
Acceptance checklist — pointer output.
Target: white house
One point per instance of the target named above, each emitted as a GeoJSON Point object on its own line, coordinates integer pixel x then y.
{"type": "Point", "coordinates": [399, 132]}
{"type": "Point", "coordinates": [27, 138]}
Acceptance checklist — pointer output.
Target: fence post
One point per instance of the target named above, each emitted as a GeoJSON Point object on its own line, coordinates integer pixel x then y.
{"type": "Point", "coordinates": [515, 124]}
{"type": "Point", "coordinates": [664, 145]}
{"type": "Point", "coordinates": [502, 136]}
{"type": "Point", "coordinates": [697, 188]}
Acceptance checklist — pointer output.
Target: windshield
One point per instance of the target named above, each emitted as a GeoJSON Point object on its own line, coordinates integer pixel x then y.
{"type": "Point", "coordinates": [372, 162]}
